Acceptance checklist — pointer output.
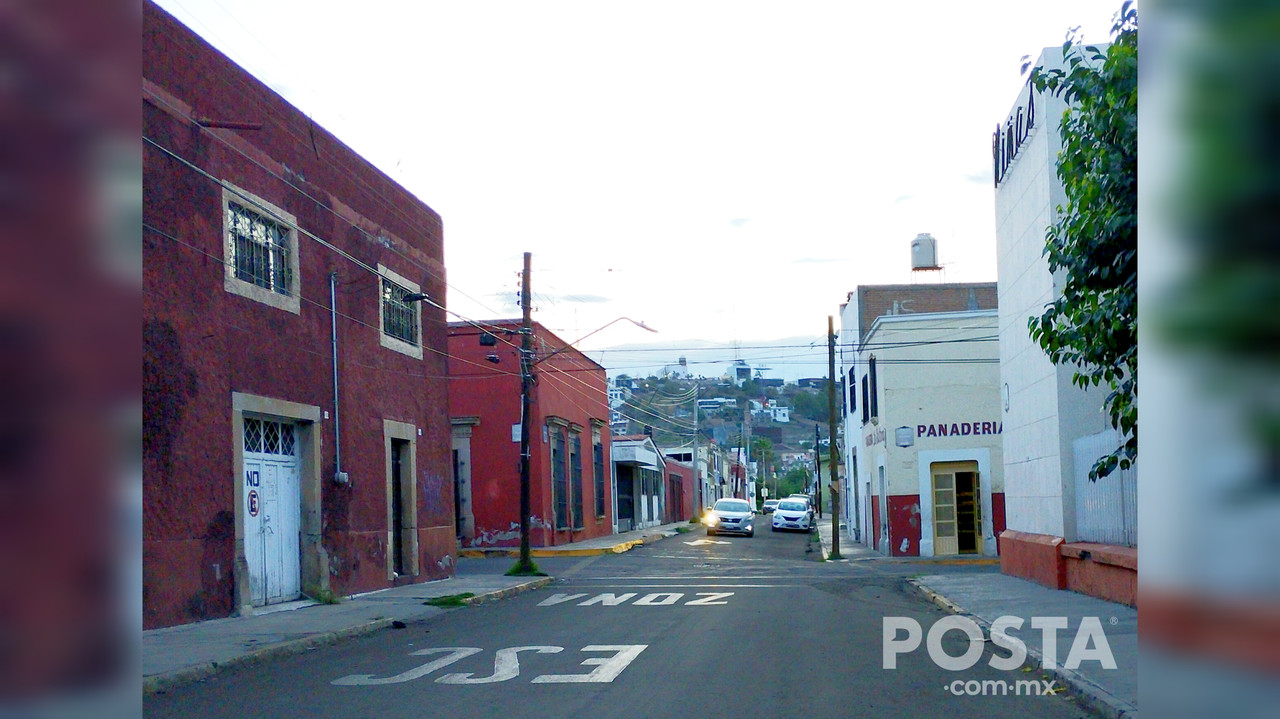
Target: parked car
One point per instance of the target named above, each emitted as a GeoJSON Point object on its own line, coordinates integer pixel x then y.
{"type": "Point", "coordinates": [731, 516]}
{"type": "Point", "coordinates": [793, 513]}
{"type": "Point", "coordinates": [769, 506]}
{"type": "Point", "coordinates": [806, 498]}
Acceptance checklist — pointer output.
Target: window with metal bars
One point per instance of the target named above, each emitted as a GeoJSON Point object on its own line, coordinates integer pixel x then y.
{"type": "Point", "coordinates": [399, 318]}
{"type": "Point", "coordinates": [262, 436]}
{"type": "Point", "coordinates": [559, 480]}
{"type": "Point", "coordinates": [260, 249]}
{"type": "Point", "coordinates": [575, 477]}
{"type": "Point", "coordinates": [598, 456]}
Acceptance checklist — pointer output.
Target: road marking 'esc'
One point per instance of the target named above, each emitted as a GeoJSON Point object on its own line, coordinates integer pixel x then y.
{"type": "Point", "coordinates": [506, 665]}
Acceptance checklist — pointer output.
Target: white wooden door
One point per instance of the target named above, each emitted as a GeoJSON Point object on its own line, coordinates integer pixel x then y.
{"type": "Point", "coordinates": [272, 512]}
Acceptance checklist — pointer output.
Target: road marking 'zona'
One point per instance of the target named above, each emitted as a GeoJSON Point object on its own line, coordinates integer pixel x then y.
{"type": "Point", "coordinates": [655, 599]}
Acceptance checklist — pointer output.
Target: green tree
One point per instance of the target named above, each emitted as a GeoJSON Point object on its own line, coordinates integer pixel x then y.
{"type": "Point", "coordinates": [794, 481]}
{"type": "Point", "coordinates": [810, 405]}
{"type": "Point", "coordinates": [762, 453]}
{"type": "Point", "coordinates": [1093, 244]}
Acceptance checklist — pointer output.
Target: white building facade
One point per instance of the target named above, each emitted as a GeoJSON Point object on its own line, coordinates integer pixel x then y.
{"type": "Point", "coordinates": [929, 465]}
{"type": "Point", "coordinates": [1053, 430]}
{"type": "Point", "coordinates": [879, 308]}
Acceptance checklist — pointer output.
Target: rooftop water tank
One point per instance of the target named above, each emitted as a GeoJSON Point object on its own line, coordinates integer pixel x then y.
{"type": "Point", "coordinates": [924, 252]}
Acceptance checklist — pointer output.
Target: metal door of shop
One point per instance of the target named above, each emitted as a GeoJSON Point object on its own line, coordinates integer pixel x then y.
{"type": "Point", "coordinates": [272, 512]}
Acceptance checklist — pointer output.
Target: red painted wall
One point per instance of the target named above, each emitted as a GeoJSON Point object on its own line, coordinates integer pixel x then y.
{"type": "Point", "coordinates": [904, 525]}
{"type": "Point", "coordinates": [875, 521]}
{"type": "Point", "coordinates": [569, 386]}
{"type": "Point", "coordinates": [202, 343]}
{"type": "Point", "coordinates": [1033, 557]}
{"type": "Point", "coordinates": [1101, 570]}
{"type": "Point", "coordinates": [997, 516]}
{"type": "Point", "coordinates": [681, 507]}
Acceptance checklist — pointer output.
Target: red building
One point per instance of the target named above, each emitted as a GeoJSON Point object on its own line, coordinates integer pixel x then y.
{"type": "Point", "coordinates": [296, 434]}
{"type": "Point", "coordinates": [680, 491]}
{"type": "Point", "coordinates": [570, 496]}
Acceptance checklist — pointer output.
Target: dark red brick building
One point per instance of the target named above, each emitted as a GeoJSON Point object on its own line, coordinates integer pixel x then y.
{"type": "Point", "coordinates": [571, 495]}
{"type": "Point", "coordinates": [272, 471]}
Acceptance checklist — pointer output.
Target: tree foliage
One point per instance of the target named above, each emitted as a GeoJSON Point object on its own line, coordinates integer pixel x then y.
{"type": "Point", "coordinates": [1092, 246]}
{"type": "Point", "coordinates": [810, 405]}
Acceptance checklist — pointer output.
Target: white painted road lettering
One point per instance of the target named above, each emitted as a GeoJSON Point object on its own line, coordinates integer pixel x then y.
{"type": "Point", "coordinates": [608, 668]}
{"type": "Point", "coordinates": [506, 666]}
{"type": "Point", "coordinates": [656, 599]}
{"type": "Point", "coordinates": [659, 599]}
{"type": "Point", "coordinates": [559, 599]}
{"type": "Point", "coordinates": [452, 654]}
{"type": "Point", "coordinates": [608, 599]}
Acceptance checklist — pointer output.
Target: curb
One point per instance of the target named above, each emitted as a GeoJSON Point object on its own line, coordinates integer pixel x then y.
{"type": "Point", "coordinates": [618, 548]}
{"type": "Point", "coordinates": [538, 583]}
{"type": "Point", "coordinates": [162, 682]}
{"type": "Point", "coordinates": [1090, 695]}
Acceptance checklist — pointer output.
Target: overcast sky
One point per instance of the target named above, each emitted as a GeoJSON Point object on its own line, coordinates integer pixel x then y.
{"type": "Point", "coordinates": [723, 171]}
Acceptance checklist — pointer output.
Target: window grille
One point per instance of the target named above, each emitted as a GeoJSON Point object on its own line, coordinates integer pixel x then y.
{"type": "Point", "coordinates": [399, 317]}
{"type": "Point", "coordinates": [559, 480]}
{"type": "Point", "coordinates": [598, 451]}
{"type": "Point", "coordinates": [260, 249]}
{"type": "Point", "coordinates": [263, 436]}
{"type": "Point", "coordinates": [575, 478]}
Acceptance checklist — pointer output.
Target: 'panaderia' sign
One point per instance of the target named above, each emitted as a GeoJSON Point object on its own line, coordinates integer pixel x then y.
{"type": "Point", "coordinates": [959, 429]}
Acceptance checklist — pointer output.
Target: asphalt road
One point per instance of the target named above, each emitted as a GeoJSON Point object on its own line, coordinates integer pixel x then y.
{"type": "Point", "coordinates": [689, 626]}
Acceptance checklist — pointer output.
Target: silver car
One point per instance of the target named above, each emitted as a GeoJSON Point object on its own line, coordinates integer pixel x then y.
{"type": "Point", "coordinates": [731, 516]}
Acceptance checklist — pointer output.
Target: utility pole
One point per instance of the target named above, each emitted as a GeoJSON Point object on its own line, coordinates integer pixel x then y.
{"type": "Point", "coordinates": [817, 464]}
{"type": "Point", "coordinates": [831, 434]}
{"type": "Point", "coordinates": [697, 480]}
{"type": "Point", "coordinates": [525, 564]}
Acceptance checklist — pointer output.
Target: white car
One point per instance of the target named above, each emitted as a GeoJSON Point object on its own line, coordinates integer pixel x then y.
{"type": "Point", "coordinates": [731, 516]}
{"type": "Point", "coordinates": [793, 513]}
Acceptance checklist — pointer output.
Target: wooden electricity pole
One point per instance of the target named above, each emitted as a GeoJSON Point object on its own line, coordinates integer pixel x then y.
{"type": "Point", "coordinates": [525, 564]}
{"type": "Point", "coordinates": [831, 435]}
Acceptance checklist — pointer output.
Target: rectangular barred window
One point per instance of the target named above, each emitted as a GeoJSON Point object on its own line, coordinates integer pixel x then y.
{"type": "Point", "coordinates": [597, 450]}
{"type": "Point", "coordinates": [575, 478]}
{"type": "Point", "coordinates": [559, 480]}
{"type": "Point", "coordinates": [260, 249]}
{"type": "Point", "coordinates": [399, 318]}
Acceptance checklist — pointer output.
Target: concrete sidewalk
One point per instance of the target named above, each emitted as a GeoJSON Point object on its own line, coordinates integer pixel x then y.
{"type": "Point", "coordinates": [175, 655]}
{"type": "Point", "coordinates": [853, 551]}
{"type": "Point", "coordinates": [986, 596]}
